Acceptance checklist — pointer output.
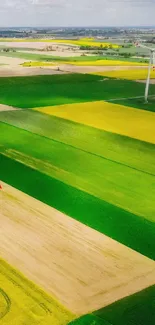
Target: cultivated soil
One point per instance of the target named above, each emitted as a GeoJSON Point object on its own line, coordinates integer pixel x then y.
{"type": "Point", "coordinates": [90, 69]}
{"type": "Point", "coordinates": [35, 45]}
{"type": "Point", "coordinates": [9, 71]}
{"type": "Point", "coordinates": [7, 108]}
{"type": "Point", "coordinates": [84, 269]}
{"type": "Point", "coordinates": [57, 51]}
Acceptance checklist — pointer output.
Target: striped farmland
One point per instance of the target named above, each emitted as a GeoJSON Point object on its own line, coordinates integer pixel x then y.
{"type": "Point", "coordinates": [78, 211]}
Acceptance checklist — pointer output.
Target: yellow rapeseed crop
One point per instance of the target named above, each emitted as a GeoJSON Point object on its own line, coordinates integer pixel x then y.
{"type": "Point", "coordinates": [37, 64]}
{"type": "Point", "coordinates": [138, 124]}
{"type": "Point", "coordinates": [107, 63]}
{"type": "Point", "coordinates": [21, 302]}
{"type": "Point", "coordinates": [134, 74]}
{"type": "Point", "coordinates": [80, 42]}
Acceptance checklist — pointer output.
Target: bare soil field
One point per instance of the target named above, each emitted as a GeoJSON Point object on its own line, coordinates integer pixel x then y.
{"type": "Point", "coordinates": [31, 45]}
{"type": "Point", "coordinates": [91, 69]}
{"type": "Point", "coordinates": [13, 69]}
{"type": "Point", "coordinates": [13, 62]}
{"type": "Point", "coordinates": [9, 71]}
{"type": "Point", "coordinates": [39, 46]}
{"type": "Point", "coordinates": [58, 51]}
{"type": "Point", "coordinates": [152, 81]}
{"type": "Point", "coordinates": [7, 108]}
{"type": "Point", "coordinates": [81, 267]}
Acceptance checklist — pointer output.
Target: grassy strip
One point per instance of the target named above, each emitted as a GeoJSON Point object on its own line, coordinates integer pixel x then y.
{"type": "Point", "coordinates": [33, 307]}
{"type": "Point", "coordinates": [136, 309]}
{"type": "Point", "coordinates": [37, 91]}
{"type": "Point", "coordinates": [127, 151]}
{"type": "Point", "coordinates": [134, 232]}
{"type": "Point", "coordinates": [105, 179]}
{"type": "Point", "coordinates": [76, 59]}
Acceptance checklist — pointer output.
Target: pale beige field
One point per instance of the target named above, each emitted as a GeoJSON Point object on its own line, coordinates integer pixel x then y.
{"type": "Point", "coordinates": [84, 269]}
{"type": "Point", "coordinates": [13, 62]}
{"type": "Point", "coordinates": [92, 69]}
{"type": "Point", "coordinates": [17, 70]}
{"type": "Point", "coordinates": [32, 45]}
{"type": "Point", "coordinates": [152, 81]}
{"type": "Point", "coordinates": [7, 108]}
{"type": "Point", "coordinates": [58, 51]}
{"type": "Point", "coordinates": [14, 71]}
{"type": "Point", "coordinates": [13, 67]}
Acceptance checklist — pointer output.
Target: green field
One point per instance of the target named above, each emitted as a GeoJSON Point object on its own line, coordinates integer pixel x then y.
{"type": "Point", "coordinates": [114, 147]}
{"type": "Point", "coordinates": [108, 180]}
{"type": "Point", "coordinates": [138, 103]}
{"type": "Point", "coordinates": [90, 320]}
{"type": "Point", "coordinates": [44, 57]}
{"type": "Point", "coordinates": [29, 92]}
{"type": "Point", "coordinates": [75, 182]}
{"type": "Point", "coordinates": [102, 179]}
{"type": "Point", "coordinates": [138, 309]}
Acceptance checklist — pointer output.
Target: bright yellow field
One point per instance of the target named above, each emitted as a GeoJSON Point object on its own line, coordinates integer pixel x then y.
{"type": "Point", "coordinates": [87, 63]}
{"type": "Point", "coordinates": [138, 124]}
{"type": "Point", "coordinates": [107, 63]}
{"type": "Point", "coordinates": [80, 42]}
{"type": "Point", "coordinates": [37, 64]}
{"type": "Point", "coordinates": [22, 303]}
{"type": "Point", "coordinates": [127, 74]}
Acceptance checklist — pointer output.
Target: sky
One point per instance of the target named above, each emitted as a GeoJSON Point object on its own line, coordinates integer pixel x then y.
{"type": "Point", "coordinates": [77, 13]}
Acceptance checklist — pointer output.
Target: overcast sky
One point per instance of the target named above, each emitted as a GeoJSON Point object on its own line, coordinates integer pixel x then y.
{"type": "Point", "coordinates": [77, 12]}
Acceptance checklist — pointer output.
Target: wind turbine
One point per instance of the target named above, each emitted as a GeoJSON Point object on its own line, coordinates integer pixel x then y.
{"type": "Point", "coordinates": [151, 61]}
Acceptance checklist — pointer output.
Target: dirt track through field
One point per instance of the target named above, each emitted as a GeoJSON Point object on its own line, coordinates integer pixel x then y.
{"type": "Point", "coordinates": [82, 268]}
{"type": "Point", "coordinates": [10, 71]}
{"type": "Point", "coordinates": [4, 108]}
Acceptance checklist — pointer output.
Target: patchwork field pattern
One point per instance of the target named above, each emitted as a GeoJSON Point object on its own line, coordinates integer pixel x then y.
{"type": "Point", "coordinates": [110, 117]}
{"type": "Point", "coordinates": [66, 89]}
{"type": "Point", "coordinates": [58, 239]}
{"type": "Point", "coordinates": [80, 42]}
{"type": "Point", "coordinates": [78, 212]}
{"type": "Point", "coordinates": [31, 55]}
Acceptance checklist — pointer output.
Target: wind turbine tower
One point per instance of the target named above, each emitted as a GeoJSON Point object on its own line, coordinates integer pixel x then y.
{"type": "Point", "coordinates": [151, 62]}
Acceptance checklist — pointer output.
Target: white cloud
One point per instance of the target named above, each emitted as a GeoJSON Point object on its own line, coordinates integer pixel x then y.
{"type": "Point", "coordinates": [77, 12]}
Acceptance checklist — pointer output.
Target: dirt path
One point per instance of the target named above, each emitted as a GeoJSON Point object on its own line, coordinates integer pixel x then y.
{"type": "Point", "coordinates": [152, 81]}
{"type": "Point", "coordinates": [91, 69]}
{"type": "Point", "coordinates": [84, 269]}
{"type": "Point", "coordinates": [7, 108]}
{"type": "Point", "coordinates": [9, 71]}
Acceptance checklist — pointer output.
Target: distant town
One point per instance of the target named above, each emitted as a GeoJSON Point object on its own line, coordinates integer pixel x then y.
{"type": "Point", "coordinates": [146, 34]}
